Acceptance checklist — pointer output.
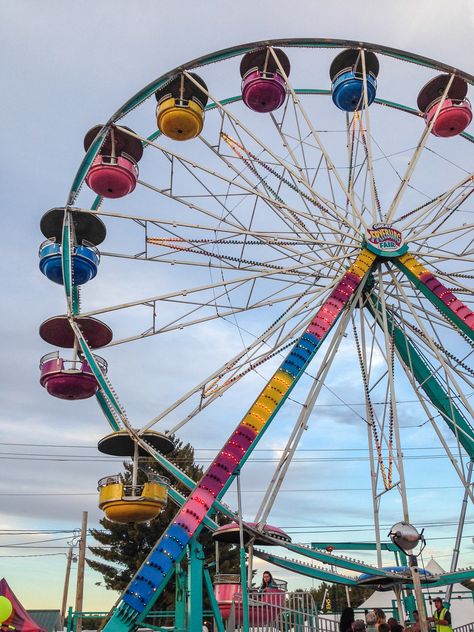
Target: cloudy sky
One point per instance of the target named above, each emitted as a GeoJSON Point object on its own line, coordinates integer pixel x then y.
{"type": "Point", "coordinates": [67, 66]}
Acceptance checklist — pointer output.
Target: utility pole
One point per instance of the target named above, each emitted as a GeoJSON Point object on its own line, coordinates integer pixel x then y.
{"type": "Point", "coordinates": [80, 570]}
{"type": "Point", "coordinates": [66, 585]}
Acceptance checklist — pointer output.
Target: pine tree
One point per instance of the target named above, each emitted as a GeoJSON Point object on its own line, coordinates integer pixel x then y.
{"type": "Point", "coordinates": [124, 547]}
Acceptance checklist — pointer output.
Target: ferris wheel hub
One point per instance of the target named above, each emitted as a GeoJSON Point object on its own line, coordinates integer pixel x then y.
{"type": "Point", "coordinates": [385, 241]}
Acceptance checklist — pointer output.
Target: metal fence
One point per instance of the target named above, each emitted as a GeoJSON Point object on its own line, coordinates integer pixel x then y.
{"type": "Point", "coordinates": [279, 611]}
{"type": "Point", "coordinates": [468, 627]}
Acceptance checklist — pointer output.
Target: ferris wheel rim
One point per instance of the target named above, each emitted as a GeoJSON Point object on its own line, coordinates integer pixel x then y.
{"type": "Point", "coordinates": [233, 51]}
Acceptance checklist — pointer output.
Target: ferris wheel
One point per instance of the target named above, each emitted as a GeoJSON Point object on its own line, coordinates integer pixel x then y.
{"type": "Point", "coordinates": [291, 192]}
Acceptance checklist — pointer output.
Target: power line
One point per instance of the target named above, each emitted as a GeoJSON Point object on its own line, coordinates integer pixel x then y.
{"type": "Point", "coordinates": [37, 542]}
{"type": "Point", "coordinates": [35, 555]}
{"type": "Point", "coordinates": [77, 458]}
{"type": "Point", "coordinates": [207, 449]}
{"type": "Point", "coordinates": [232, 491]}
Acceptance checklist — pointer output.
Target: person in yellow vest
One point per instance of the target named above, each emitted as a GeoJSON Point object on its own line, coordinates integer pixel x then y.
{"type": "Point", "coordinates": [441, 617]}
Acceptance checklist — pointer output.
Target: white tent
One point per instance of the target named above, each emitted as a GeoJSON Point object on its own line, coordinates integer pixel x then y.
{"type": "Point", "coordinates": [462, 604]}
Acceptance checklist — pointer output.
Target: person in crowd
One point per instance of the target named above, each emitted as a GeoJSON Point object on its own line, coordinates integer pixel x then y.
{"type": "Point", "coordinates": [358, 626]}
{"type": "Point", "coordinates": [441, 617]}
{"type": "Point", "coordinates": [371, 620]}
{"type": "Point", "coordinates": [346, 620]}
{"type": "Point", "coordinates": [381, 618]}
{"type": "Point", "coordinates": [267, 582]}
{"type": "Point", "coordinates": [392, 622]}
{"type": "Point", "coordinates": [383, 627]}
{"type": "Point", "coordinates": [416, 627]}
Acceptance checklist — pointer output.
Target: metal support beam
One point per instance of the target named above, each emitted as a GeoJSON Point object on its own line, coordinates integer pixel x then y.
{"type": "Point", "coordinates": [457, 545]}
{"type": "Point", "coordinates": [195, 584]}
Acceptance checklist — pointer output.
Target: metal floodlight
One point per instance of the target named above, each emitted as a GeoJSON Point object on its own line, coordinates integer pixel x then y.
{"type": "Point", "coordinates": [406, 537]}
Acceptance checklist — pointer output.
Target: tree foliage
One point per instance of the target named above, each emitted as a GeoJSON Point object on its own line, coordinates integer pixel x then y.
{"type": "Point", "coordinates": [123, 548]}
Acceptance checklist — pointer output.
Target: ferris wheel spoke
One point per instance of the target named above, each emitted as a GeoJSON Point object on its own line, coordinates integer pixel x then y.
{"type": "Point", "coordinates": [292, 144]}
{"type": "Point", "coordinates": [292, 217]}
{"type": "Point", "coordinates": [218, 311]}
{"type": "Point", "coordinates": [303, 170]}
{"type": "Point", "coordinates": [249, 351]}
{"type": "Point", "coordinates": [317, 138]}
{"type": "Point", "coordinates": [353, 144]}
{"type": "Point", "coordinates": [248, 188]}
{"type": "Point", "coordinates": [190, 165]}
{"type": "Point", "coordinates": [238, 123]}
{"type": "Point", "coordinates": [416, 156]}
{"type": "Point", "coordinates": [302, 421]}
{"type": "Point", "coordinates": [241, 263]}
{"type": "Point", "coordinates": [389, 337]}
{"type": "Point", "coordinates": [266, 237]}
{"type": "Point", "coordinates": [376, 468]}
{"type": "Point", "coordinates": [440, 255]}
{"type": "Point", "coordinates": [440, 217]}
{"type": "Point", "coordinates": [367, 143]}
{"type": "Point", "coordinates": [422, 212]}
{"type": "Point", "coordinates": [377, 422]}
{"type": "Point", "coordinates": [464, 229]}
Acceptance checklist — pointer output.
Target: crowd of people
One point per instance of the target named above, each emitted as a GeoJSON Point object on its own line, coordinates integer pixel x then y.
{"type": "Point", "coordinates": [376, 621]}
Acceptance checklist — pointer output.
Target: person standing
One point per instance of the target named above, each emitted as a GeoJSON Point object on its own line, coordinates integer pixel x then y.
{"type": "Point", "coordinates": [441, 617]}
{"type": "Point", "coordinates": [416, 627]}
{"type": "Point", "coordinates": [371, 620]}
{"type": "Point", "coordinates": [347, 619]}
{"type": "Point", "coordinates": [381, 617]}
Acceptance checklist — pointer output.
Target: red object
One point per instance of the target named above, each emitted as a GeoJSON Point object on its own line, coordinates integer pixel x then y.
{"type": "Point", "coordinates": [65, 383]}
{"type": "Point", "coordinates": [269, 606]}
{"type": "Point", "coordinates": [224, 594]}
{"type": "Point", "coordinates": [19, 620]}
{"type": "Point", "coordinates": [112, 179]}
{"type": "Point", "coordinates": [453, 118]}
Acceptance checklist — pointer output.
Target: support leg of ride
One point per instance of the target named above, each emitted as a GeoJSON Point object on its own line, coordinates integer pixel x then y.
{"type": "Point", "coordinates": [180, 600]}
{"type": "Point", "coordinates": [195, 582]}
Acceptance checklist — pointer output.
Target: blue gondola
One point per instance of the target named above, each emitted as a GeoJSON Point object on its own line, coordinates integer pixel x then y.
{"type": "Point", "coordinates": [347, 79]}
{"type": "Point", "coordinates": [85, 261]}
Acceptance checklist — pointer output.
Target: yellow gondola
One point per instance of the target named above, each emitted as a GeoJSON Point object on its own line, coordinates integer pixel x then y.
{"type": "Point", "coordinates": [180, 110]}
{"type": "Point", "coordinates": [125, 502]}
{"type": "Point", "coordinates": [132, 503]}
